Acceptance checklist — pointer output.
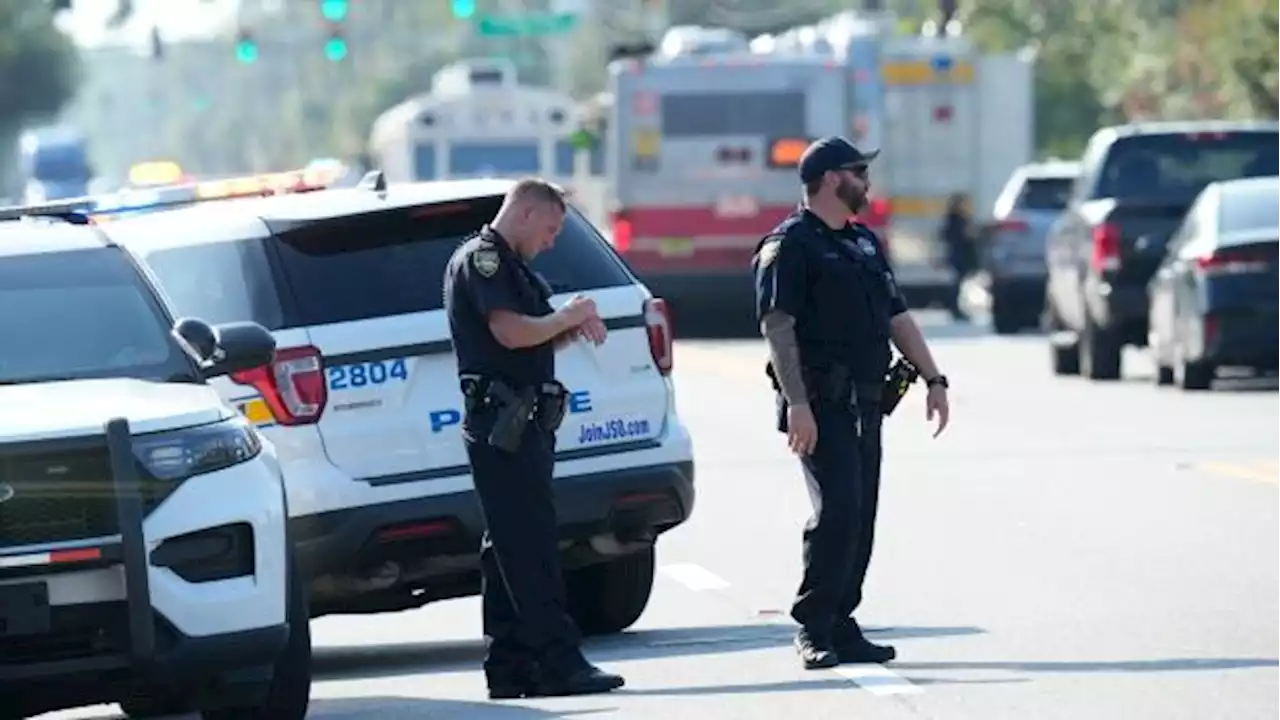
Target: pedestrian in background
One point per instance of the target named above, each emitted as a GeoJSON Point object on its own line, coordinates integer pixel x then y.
{"type": "Point", "coordinates": [958, 238]}
{"type": "Point", "coordinates": [828, 306]}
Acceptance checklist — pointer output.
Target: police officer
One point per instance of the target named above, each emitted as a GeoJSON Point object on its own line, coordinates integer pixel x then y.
{"type": "Point", "coordinates": [505, 334]}
{"type": "Point", "coordinates": [828, 306]}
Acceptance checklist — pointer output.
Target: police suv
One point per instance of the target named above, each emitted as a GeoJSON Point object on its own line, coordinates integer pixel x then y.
{"type": "Point", "coordinates": [363, 402]}
{"type": "Point", "coordinates": [144, 556]}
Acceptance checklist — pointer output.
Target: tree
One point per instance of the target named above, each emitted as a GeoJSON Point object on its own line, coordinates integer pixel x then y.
{"type": "Point", "coordinates": [39, 68]}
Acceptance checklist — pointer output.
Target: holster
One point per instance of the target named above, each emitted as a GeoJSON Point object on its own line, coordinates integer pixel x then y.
{"type": "Point", "coordinates": [512, 408]}
{"type": "Point", "coordinates": [902, 374]}
{"type": "Point", "coordinates": [832, 384]}
{"type": "Point", "coordinates": [552, 405]}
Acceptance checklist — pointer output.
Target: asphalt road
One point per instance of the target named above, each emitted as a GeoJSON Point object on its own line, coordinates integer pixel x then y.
{"type": "Point", "coordinates": [1064, 550]}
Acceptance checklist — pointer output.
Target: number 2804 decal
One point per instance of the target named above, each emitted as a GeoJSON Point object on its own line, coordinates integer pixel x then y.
{"type": "Point", "coordinates": [358, 375]}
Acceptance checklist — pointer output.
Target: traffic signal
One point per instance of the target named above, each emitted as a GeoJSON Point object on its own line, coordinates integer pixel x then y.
{"type": "Point", "coordinates": [335, 48]}
{"type": "Point", "coordinates": [464, 9]}
{"type": "Point", "coordinates": [246, 48]}
{"type": "Point", "coordinates": [334, 10]}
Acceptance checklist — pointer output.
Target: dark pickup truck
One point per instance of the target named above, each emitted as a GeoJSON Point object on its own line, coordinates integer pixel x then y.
{"type": "Point", "coordinates": [1136, 182]}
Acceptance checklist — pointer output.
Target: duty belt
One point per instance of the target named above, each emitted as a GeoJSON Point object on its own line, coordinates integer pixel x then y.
{"type": "Point", "coordinates": [514, 407]}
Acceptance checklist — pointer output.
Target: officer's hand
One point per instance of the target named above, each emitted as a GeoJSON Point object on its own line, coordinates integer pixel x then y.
{"type": "Point", "coordinates": [802, 429]}
{"type": "Point", "coordinates": [580, 309]}
{"type": "Point", "coordinates": [593, 329]}
{"type": "Point", "coordinates": [936, 404]}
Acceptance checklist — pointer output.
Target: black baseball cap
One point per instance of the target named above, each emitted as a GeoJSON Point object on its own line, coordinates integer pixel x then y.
{"type": "Point", "coordinates": [831, 153]}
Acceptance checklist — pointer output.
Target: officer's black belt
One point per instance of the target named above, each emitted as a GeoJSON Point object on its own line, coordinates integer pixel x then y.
{"type": "Point", "coordinates": [836, 384]}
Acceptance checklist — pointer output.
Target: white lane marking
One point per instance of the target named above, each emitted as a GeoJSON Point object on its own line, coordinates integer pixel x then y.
{"type": "Point", "coordinates": [878, 680]}
{"type": "Point", "coordinates": [695, 577]}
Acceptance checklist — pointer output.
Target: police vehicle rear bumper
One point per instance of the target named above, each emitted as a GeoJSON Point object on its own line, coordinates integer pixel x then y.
{"type": "Point", "coordinates": [635, 504]}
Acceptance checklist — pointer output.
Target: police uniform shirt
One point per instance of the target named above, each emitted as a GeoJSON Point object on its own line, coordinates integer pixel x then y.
{"type": "Point", "coordinates": [838, 286]}
{"type": "Point", "coordinates": [485, 274]}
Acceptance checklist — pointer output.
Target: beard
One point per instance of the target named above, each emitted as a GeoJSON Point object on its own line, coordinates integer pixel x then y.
{"type": "Point", "coordinates": [852, 195]}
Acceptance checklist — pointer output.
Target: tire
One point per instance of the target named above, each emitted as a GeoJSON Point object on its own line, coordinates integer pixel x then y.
{"type": "Point", "coordinates": [1004, 319]}
{"type": "Point", "coordinates": [290, 691]}
{"type": "Point", "coordinates": [609, 597]}
{"type": "Point", "coordinates": [156, 705]}
{"type": "Point", "coordinates": [1099, 352]}
{"type": "Point", "coordinates": [1164, 375]}
{"type": "Point", "coordinates": [1195, 375]}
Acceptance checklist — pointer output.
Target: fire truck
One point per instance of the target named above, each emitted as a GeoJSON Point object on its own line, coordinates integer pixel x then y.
{"type": "Point", "coordinates": [701, 147]}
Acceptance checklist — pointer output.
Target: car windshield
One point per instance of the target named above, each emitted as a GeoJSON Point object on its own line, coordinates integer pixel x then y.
{"type": "Point", "coordinates": [1177, 166]}
{"type": "Point", "coordinates": [1251, 209]}
{"type": "Point", "coordinates": [82, 314]}
{"type": "Point", "coordinates": [1045, 193]}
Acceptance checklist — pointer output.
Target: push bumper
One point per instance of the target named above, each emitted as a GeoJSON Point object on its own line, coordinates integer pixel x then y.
{"type": "Point", "coordinates": [61, 656]}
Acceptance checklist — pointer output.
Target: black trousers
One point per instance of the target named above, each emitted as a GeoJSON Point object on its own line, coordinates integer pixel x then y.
{"type": "Point", "coordinates": [525, 617]}
{"type": "Point", "coordinates": [843, 476]}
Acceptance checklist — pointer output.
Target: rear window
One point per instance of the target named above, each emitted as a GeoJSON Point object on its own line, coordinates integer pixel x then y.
{"type": "Point", "coordinates": [1178, 166]}
{"type": "Point", "coordinates": [1045, 193]}
{"type": "Point", "coordinates": [393, 263]}
{"type": "Point", "coordinates": [773, 114]}
{"type": "Point", "coordinates": [1246, 211]}
{"type": "Point", "coordinates": [219, 283]}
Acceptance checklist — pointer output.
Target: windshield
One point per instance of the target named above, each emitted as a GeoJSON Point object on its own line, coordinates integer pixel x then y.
{"type": "Point", "coordinates": [1177, 166]}
{"type": "Point", "coordinates": [1252, 209]}
{"type": "Point", "coordinates": [716, 114]}
{"type": "Point", "coordinates": [1045, 193]}
{"type": "Point", "coordinates": [82, 314]}
{"type": "Point", "coordinates": [493, 158]}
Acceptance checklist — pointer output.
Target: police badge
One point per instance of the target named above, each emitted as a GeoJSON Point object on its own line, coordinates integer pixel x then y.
{"type": "Point", "coordinates": [867, 247]}
{"type": "Point", "coordinates": [486, 262]}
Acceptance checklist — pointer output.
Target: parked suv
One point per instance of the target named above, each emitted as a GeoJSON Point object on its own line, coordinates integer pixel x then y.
{"type": "Point", "coordinates": [1030, 202]}
{"type": "Point", "coordinates": [363, 401]}
{"type": "Point", "coordinates": [143, 550]}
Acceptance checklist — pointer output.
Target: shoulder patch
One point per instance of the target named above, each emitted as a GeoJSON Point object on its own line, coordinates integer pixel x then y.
{"type": "Point", "coordinates": [486, 262]}
{"type": "Point", "coordinates": [769, 250]}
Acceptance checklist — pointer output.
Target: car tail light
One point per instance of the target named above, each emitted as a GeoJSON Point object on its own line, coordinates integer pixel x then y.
{"type": "Point", "coordinates": [622, 232]}
{"type": "Point", "coordinates": [1233, 261]}
{"type": "Point", "coordinates": [292, 386]}
{"type": "Point", "coordinates": [876, 214]}
{"type": "Point", "coordinates": [657, 321]}
{"type": "Point", "coordinates": [1106, 247]}
{"type": "Point", "coordinates": [1012, 225]}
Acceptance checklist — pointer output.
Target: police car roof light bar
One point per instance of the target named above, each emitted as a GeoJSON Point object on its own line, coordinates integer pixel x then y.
{"type": "Point", "coordinates": [75, 210]}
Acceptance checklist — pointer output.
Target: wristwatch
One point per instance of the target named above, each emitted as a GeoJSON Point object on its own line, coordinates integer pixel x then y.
{"type": "Point", "coordinates": [939, 380]}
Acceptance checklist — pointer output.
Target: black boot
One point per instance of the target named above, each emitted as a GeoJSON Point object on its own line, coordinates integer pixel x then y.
{"type": "Point", "coordinates": [854, 648]}
{"type": "Point", "coordinates": [511, 682]}
{"type": "Point", "coordinates": [585, 680]}
{"type": "Point", "coordinates": [815, 652]}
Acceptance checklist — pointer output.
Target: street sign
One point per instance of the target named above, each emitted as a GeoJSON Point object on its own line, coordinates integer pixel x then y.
{"type": "Point", "coordinates": [526, 24]}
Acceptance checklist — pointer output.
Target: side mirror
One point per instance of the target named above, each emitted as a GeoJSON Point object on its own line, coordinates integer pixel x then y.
{"type": "Point", "coordinates": [227, 348]}
{"type": "Point", "coordinates": [241, 346]}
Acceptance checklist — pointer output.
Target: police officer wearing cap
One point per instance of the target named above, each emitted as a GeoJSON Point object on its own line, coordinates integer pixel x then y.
{"type": "Point", "coordinates": [829, 307]}
{"type": "Point", "coordinates": [505, 335]}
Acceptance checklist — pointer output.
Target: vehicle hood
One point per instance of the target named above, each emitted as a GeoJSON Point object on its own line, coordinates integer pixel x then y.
{"type": "Point", "coordinates": [72, 408]}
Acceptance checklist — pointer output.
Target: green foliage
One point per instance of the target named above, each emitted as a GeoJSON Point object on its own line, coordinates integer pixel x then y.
{"type": "Point", "coordinates": [38, 65]}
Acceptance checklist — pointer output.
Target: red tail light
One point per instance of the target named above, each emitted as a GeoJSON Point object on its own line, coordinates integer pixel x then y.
{"type": "Point", "coordinates": [657, 320]}
{"type": "Point", "coordinates": [621, 232]}
{"type": "Point", "coordinates": [1012, 225]}
{"type": "Point", "coordinates": [292, 386]}
{"type": "Point", "coordinates": [876, 214]}
{"type": "Point", "coordinates": [1233, 261]}
{"type": "Point", "coordinates": [1106, 247]}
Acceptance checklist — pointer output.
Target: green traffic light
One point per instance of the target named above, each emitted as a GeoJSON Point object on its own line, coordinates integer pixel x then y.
{"type": "Point", "coordinates": [464, 8]}
{"type": "Point", "coordinates": [334, 10]}
{"type": "Point", "coordinates": [247, 51]}
{"type": "Point", "coordinates": [335, 49]}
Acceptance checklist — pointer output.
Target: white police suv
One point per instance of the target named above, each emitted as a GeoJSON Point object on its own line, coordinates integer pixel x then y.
{"type": "Point", "coordinates": [363, 404]}
{"type": "Point", "coordinates": [144, 556]}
